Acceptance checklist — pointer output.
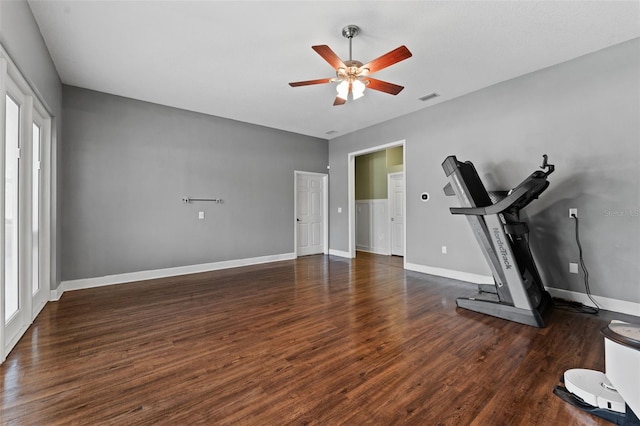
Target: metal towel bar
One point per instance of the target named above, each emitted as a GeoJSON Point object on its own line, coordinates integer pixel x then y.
{"type": "Point", "coordinates": [215, 200]}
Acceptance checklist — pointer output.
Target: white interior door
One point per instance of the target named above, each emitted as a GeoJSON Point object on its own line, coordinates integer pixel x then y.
{"type": "Point", "coordinates": [395, 188]}
{"type": "Point", "coordinates": [310, 212]}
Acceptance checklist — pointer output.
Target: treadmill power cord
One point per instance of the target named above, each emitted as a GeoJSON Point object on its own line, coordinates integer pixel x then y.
{"type": "Point", "coordinates": [580, 307]}
{"type": "Point", "coordinates": [572, 305]}
{"type": "Point", "coordinates": [566, 304]}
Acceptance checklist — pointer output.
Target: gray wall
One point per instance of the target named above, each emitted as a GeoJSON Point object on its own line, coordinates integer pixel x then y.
{"type": "Point", "coordinates": [128, 164]}
{"type": "Point", "coordinates": [20, 36]}
{"type": "Point", "coordinates": [585, 114]}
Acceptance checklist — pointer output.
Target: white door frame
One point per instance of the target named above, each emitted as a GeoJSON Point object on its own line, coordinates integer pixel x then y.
{"type": "Point", "coordinates": [404, 212]}
{"type": "Point", "coordinates": [325, 209]}
{"type": "Point", "coordinates": [351, 165]}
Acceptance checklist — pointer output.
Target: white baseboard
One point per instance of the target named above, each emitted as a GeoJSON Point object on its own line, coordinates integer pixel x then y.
{"type": "Point", "coordinates": [606, 303]}
{"type": "Point", "coordinates": [54, 295]}
{"type": "Point", "coordinates": [339, 253]}
{"type": "Point", "coordinates": [373, 250]}
{"type": "Point", "coordinates": [162, 273]}
{"type": "Point", "coordinates": [450, 273]}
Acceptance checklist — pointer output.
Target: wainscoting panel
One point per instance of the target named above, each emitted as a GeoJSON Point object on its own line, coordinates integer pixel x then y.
{"type": "Point", "coordinates": [372, 226]}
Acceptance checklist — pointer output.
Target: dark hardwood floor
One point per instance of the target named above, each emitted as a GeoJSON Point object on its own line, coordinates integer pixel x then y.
{"type": "Point", "coordinates": [320, 340]}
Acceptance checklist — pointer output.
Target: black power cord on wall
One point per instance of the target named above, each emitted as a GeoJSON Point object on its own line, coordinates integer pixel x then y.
{"type": "Point", "coordinates": [580, 307]}
{"type": "Point", "coordinates": [595, 308]}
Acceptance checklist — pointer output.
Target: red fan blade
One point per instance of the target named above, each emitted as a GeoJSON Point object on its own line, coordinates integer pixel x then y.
{"type": "Point", "coordinates": [396, 55]}
{"type": "Point", "coordinates": [310, 82]}
{"type": "Point", "coordinates": [339, 101]}
{"type": "Point", "coordinates": [329, 56]}
{"type": "Point", "coordinates": [384, 86]}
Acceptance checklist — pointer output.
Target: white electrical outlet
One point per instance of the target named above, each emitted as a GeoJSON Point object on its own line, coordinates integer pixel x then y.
{"type": "Point", "coordinates": [573, 268]}
{"type": "Point", "coordinates": [444, 249]}
{"type": "Point", "coordinates": [573, 212]}
{"type": "Point", "coordinates": [200, 215]}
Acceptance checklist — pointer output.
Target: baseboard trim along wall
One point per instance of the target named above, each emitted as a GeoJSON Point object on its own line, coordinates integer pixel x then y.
{"type": "Point", "coordinates": [163, 273]}
{"type": "Point", "coordinates": [613, 305]}
{"type": "Point", "coordinates": [339, 253]}
{"type": "Point", "coordinates": [608, 304]}
{"type": "Point", "coordinates": [382, 252]}
{"type": "Point", "coordinates": [450, 273]}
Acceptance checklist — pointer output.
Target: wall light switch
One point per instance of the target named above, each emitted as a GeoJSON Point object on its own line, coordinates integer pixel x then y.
{"type": "Point", "coordinates": [573, 268]}
{"type": "Point", "coordinates": [444, 249]}
{"type": "Point", "coordinates": [200, 215]}
{"type": "Point", "coordinates": [339, 209]}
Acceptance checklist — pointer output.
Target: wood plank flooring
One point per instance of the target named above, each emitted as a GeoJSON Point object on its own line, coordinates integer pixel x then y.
{"type": "Point", "coordinates": [320, 340]}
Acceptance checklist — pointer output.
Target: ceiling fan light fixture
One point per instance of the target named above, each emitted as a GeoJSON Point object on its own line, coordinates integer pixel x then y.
{"type": "Point", "coordinates": [357, 88]}
{"type": "Point", "coordinates": [343, 89]}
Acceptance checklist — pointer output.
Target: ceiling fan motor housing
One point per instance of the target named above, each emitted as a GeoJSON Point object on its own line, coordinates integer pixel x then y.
{"type": "Point", "coordinates": [353, 71]}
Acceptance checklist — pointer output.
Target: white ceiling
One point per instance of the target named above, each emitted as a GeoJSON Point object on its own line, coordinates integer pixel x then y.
{"type": "Point", "coordinates": [234, 59]}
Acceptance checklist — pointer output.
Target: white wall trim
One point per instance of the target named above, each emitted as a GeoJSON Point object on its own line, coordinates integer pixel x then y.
{"type": "Point", "coordinates": [55, 295]}
{"type": "Point", "coordinates": [339, 253]}
{"type": "Point", "coordinates": [606, 303]}
{"type": "Point", "coordinates": [162, 273]}
{"type": "Point", "coordinates": [373, 223]}
{"type": "Point", "coordinates": [373, 250]}
{"type": "Point", "coordinates": [450, 273]}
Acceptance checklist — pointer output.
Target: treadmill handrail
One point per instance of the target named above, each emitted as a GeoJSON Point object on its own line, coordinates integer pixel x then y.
{"type": "Point", "coordinates": [498, 207]}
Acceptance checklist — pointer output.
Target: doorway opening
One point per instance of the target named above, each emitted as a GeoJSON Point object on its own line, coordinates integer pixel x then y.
{"type": "Point", "coordinates": [375, 206]}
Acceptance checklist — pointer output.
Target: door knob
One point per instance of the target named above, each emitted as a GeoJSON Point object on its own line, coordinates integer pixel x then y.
{"type": "Point", "coordinates": [298, 219]}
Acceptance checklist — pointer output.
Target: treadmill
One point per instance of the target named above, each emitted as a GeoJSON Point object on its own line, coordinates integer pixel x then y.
{"type": "Point", "coordinates": [518, 293]}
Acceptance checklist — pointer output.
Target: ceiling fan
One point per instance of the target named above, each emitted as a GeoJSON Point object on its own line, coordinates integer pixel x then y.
{"type": "Point", "coordinates": [353, 75]}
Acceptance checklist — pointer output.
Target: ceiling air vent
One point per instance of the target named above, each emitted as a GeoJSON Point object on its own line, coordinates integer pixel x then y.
{"type": "Point", "coordinates": [429, 96]}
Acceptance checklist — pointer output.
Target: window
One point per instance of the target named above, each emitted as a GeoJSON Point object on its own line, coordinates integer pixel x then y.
{"type": "Point", "coordinates": [25, 243]}
{"type": "Point", "coordinates": [11, 217]}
